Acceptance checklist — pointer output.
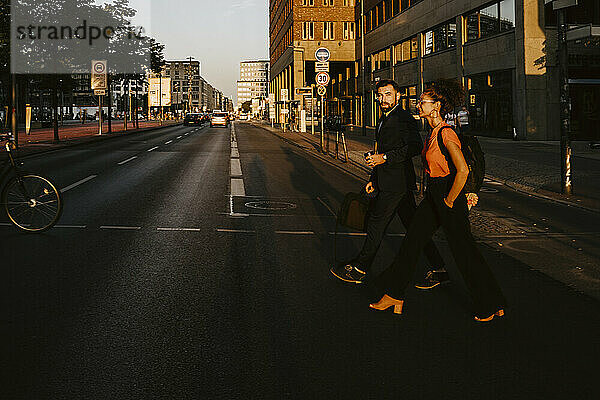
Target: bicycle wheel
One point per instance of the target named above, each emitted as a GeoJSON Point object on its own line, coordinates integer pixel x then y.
{"type": "Point", "coordinates": [32, 203]}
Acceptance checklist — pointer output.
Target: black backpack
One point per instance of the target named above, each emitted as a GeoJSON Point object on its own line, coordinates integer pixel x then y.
{"type": "Point", "coordinates": [474, 157]}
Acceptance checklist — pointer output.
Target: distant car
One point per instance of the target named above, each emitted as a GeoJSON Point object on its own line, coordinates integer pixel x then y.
{"type": "Point", "coordinates": [243, 117]}
{"type": "Point", "coordinates": [219, 119]}
{"type": "Point", "coordinates": [192, 119]}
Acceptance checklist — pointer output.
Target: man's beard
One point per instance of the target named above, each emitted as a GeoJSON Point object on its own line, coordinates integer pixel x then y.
{"type": "Point", "coordinates": [387, 106]}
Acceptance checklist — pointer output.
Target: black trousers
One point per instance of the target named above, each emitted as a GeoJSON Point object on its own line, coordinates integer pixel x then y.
{"type": "Point", "coordinates": [429, 216]}
{"type": "Point", "coordinates": [381, 213]}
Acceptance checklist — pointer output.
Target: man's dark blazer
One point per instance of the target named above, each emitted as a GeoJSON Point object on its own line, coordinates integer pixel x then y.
{"type": "Point", "coordinates": [398, 138]}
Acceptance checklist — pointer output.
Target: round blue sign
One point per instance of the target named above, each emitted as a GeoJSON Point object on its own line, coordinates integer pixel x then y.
{"type": "Point", "coordinates": [322, 54]}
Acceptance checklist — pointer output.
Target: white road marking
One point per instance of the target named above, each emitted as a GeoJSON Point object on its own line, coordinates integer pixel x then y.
{"type": "Point", "coordinates": [234, 230]}
{"type": "Point", "coordinates": [81, 182]}
{"type": "Point", "coordinates": [234, 145]}
{"type": "Point", "coordinates": [187, 134]}
{"type": "Point", "coordinates": [126, 161]}
{"type": "Point", "coordinates": [71, 226]}
{"type": "Point", "coordinates": [295, 232]}
{"type": "Point", "coordinates": [169, 142]}
{"type": "Point", "coordinates": [237, 187]}
{"type": "Point", "coordinates": [349, 233]}
{"type": "Point", "coordinates": [179, 137]}
{"type": "Point", "coordinates": [235, 153]}
{"type": "Point", "coordinates": [180, 229]}
{"type": "Point", "coordinates": [124, 228]}
{"type": "Point", "coordinates": [152, 149]}
{"type": "Point", "coordinates": [236, 167]}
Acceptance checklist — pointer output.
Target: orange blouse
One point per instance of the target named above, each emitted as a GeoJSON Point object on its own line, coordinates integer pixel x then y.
{"type": "Point", "coordinates": [436, 165]}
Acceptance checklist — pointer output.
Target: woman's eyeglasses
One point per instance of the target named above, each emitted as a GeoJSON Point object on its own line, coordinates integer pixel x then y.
{"type": "Point", "coordinates": [421, 101]}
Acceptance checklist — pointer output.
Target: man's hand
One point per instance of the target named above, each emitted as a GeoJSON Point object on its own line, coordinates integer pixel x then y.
{"type": "Point", "coordinates": [375, 160]}
{"type": "Point", "coordinates": [369, 188]}
{"type": "Point", "coordinates": [472, 199]}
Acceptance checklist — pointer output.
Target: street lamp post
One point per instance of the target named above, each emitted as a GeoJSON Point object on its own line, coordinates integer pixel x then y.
{"type": "Point", "coordinates": [364, 69]}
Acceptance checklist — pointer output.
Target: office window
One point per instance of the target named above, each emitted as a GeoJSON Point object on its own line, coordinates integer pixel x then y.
{"type": "Point", "coordinates": [406, 50]}
{"type": "Point", "coordinates": [488, 21]}
{"type": "Point", "coordinates": [395, 7]}
{"type": "Point", "coordinates": [388, 9]}
{"type": "Point", "coordinates": [348, 3]}
{"type": "Point", "coordinates": [440, 38]}
{"type": "Point", "coordinates": [328, 2]}
{"type": "Point", "coordinates": [308, 30]}
{"type": "Point", "coordinates": [328, 31]}
{"type": "Point", "coordinates": [349, 31]}
{"type": "Point", "coordinates": [379, 17]}
{"type": "Point", "coordinates": [308, 2]}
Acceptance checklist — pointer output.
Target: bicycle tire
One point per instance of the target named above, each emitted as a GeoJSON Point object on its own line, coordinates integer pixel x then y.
{"type": "Point", "coordinates": [36, 210]}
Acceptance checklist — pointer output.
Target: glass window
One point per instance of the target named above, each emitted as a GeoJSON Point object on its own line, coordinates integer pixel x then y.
{"type": "Point", "coordinates": [428, 42]}
{"type": "Point", "coordinates": [440, 38]}
{"type": "Point", "coordinates": [396, 7]}
{"type": "Point", "coordinates": [405, 4]}
{"type": "Point", "coordinates": [488, 20]}
{"type": "Point", "coordinates": [507, 15]}
{"type": "Point", "coordinates": [473, 26]}
{"type": "Point", "coordinates": [388, 9]}
{"type": "Point", "coordinates": [451, 35]}
{"type": "Point", "coordinates": [379, 14]}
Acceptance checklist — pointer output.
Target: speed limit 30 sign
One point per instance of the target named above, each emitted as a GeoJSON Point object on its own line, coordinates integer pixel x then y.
{"type": "Point", "coordinates": [322, 79]}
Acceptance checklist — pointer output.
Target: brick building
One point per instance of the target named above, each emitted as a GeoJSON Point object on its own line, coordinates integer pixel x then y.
{"type": "Point", "coordinates": [297, 29]}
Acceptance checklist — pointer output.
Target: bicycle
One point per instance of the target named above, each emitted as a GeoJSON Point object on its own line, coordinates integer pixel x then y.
{"type": "Point", "coordinates": [32, 202]}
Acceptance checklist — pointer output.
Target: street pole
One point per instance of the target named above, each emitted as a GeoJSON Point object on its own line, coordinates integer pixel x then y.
{"type": "Point", "coordinates": [109, 92]}
{"type": "Point", "coordinates": [565, 105]}
{"type": "Point", "coordinates": [100, 115]}
{"type": "Point", "coordinates": [364, 69]}
{"type": "Point", "coordinates": [13, 116]}
{"type": "Point", "coordinates": [322, 127]}
{"type": "Point", "coordinates": [312, 110]}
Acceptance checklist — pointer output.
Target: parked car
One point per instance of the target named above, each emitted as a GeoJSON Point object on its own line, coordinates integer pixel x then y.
{"type": "Point", "coordinates": [219, 119]}
{"type": "Point", "coordinates": [192, 119]}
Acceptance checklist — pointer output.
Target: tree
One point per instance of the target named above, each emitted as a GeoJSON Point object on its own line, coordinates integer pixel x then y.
{"type": "Point", "coordinates": [246, 106]}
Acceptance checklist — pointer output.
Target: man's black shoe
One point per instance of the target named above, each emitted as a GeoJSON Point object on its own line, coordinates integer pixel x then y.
{"type": "Point", "coordinates": [432, 279]}
{"type": "Point", "coordinates": [348, 273]}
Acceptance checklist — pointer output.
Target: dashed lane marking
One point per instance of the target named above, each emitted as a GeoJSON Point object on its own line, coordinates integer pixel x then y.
{"type": "Point", "coordinates": [179, 137]}
{"type": "Point", "coordinates": [126, 161]}
{"type": "Point", "coordinates": [234, 230]}
{"type": "Point", "coordinates": [152, 149]}
{"type": "Point", "coordinates": [236, 167]}
{"type": "Point", "coordinates": [81, 182]}
{"type": "Point", "coordinates": [237, 187]}
{"type": "Point", "coordinates": [235, 153]}
{"type": "Point", "coordinates": [71, 226]}
{"type": "Point", "coordinates": [123, 228]}
{"type": "Point", "coordinates": [169, 142]}
{"type": "Point", "coordinates": [295, 232]}
{"type": "Point", "coordinates": [180, 229]}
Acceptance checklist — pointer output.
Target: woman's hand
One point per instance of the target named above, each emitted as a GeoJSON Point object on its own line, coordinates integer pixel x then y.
{"type": "Point", "coordinates": [472, 199]}
{"type": "Point", "coordinates": [369, 188]}
{"type": "Point", "coordinates": [448, 202]}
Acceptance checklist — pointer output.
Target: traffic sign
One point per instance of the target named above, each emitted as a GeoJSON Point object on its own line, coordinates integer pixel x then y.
{"type": "Point", "coordinates": [322, 79]}
{"type": "Point", "coordinates": [303, 90]}
{"type": "Point", "coordinates": [322, 66]}
{"type": "Point", "coordinates": [322, 90]}
{"type": "Point", "coordinates": [322, 54]}
{"type": "Point", "coordinates": [284, 111]}
{"type": "Point", "coordinates": [99, 75]}
{"type": "Point", "coordinates": [99, 92]}
{"type": "Point", "coordinates": [284, 95]}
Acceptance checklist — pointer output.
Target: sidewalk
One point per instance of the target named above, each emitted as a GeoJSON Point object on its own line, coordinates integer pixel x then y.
{"type": "Point", "coordinates": [530, 167]}
{"type": "Point", "coordinates": [42, 140]}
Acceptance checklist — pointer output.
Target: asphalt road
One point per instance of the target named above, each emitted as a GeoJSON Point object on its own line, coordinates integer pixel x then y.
{"type": "Point", "coordinates": [177, 273]}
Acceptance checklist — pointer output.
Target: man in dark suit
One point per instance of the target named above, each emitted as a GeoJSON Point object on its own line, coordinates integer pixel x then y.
{"type": "Point", "coordinates": [393, 178]}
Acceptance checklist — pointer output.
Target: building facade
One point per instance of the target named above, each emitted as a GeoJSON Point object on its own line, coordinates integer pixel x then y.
{"type": "Point", "coordinates": [297, 29]}
{"type": "Point", "coordinates": [254, 81]}
{"type": "Point", "coordinates": [503, 52]}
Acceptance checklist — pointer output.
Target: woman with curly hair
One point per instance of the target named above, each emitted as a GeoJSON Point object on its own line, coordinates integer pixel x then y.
{"type": "Point", "coordinates": [444, 205]}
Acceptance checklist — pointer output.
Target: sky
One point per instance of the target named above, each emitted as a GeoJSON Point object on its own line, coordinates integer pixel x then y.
{"type": "Point", "coordinates": [218, 33]}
